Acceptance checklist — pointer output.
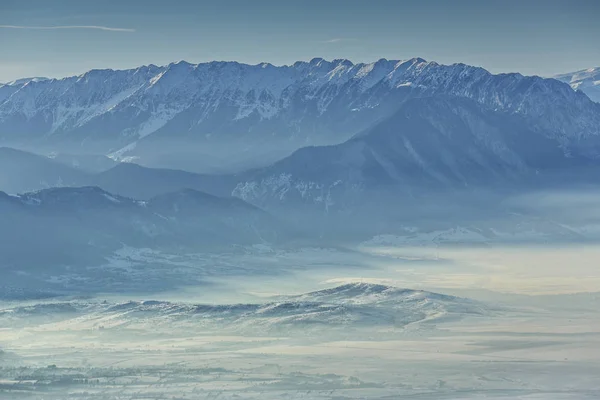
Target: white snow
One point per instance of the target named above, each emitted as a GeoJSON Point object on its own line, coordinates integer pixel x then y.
{"type": "Point", "coordinates": [119, 154]}
{"type": "Point", "coordinates": [587, 81]}
{"type": "Point", "coordinates": [111, 198]}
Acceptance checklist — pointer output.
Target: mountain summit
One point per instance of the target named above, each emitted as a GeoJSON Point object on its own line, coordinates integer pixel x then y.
{"type": "Point", "coordinates": [587, 80]}
{"type": "Point", "coordinates": [218, 110]}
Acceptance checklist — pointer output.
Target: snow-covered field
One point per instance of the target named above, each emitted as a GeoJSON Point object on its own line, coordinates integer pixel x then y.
{"type": "Point", "coordinates": [317, 323]}
{"type": "Point", "coordinates": [524, 354]}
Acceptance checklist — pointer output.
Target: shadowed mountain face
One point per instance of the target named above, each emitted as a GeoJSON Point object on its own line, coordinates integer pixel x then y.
{"type": "Point", "coordinates": [21, 172]}
{"type": "Point", "coordinates": [219, 114]}
{"type": "Point", "coordinates": [430, 144]}
{"type": "Point", "coordinates": [139, 182]}
{"type": "Point", "coordinates": [81, 226]}
{"type": "Point", "coordinates": [91, 163]}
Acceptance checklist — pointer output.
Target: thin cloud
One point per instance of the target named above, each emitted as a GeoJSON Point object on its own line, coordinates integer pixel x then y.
{"type": "Point", "coordinates": [98, 27]}
{"type": "Point", "coordinates": [338, 40]}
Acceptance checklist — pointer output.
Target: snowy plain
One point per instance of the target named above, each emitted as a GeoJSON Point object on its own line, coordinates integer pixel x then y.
{"type": "Point", "coordinates": [520, 328]}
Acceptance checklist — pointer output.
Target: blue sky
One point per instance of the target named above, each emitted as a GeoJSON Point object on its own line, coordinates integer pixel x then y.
{"type": "Point", "coordinates": [529, 36]}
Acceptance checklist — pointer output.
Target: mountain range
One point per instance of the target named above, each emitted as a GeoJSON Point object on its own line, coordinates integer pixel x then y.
{"type": "Point", "coordinates": [368, 144]}
{"type": "Point", "coordinates": [347, 307]}
{"type": "Point", "coordinates": [209, 116]}
{"type": "Point", "coordinates": [81, 226]}
{"type": "Point", "coordinates": [22, 171]}
{"type": "Point", "coordinates": [431, 143]}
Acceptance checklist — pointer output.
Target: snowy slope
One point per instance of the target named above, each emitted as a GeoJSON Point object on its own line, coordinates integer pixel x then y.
{"type": "Point", "coordinates": [354, 305]}
{"type": "Point", "coordinates": [316, 102]}
{"type": "Point", "coordinates": [429, 143]}
{"type": "Point", "coordinates": [587, 80]}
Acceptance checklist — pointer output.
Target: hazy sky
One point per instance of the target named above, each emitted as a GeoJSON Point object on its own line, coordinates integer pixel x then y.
{"type": "Point", "coordinates": [72, 36]}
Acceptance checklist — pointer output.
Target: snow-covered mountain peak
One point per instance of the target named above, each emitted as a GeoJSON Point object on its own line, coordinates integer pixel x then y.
{"type": "Point", "coordinates": [587, 81]}
{"type": "Point", "coordinates": [23, 81]}
{"type": "Point", "coordinates": [314, 102]}
{"type": "Point", "coordinates": [588, 73]}
{"type": "Point", "coordinates": [317, 62]}
{"type": "Point", "coordinates": [343, 61]}
{"type": "Point", "coordinates": [363, 294]}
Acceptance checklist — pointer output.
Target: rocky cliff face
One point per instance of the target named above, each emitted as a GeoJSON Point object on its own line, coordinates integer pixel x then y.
{"type": "Point", "coordinates": [307, 103]}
